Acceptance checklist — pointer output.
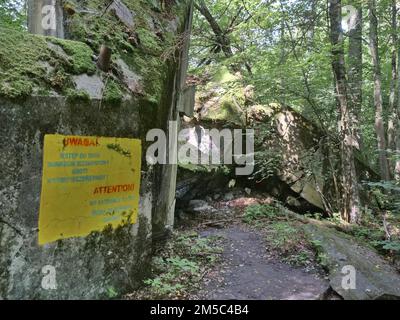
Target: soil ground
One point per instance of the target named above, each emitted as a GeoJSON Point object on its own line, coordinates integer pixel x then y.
{"type": "Point", "coordinates": [248, 271]}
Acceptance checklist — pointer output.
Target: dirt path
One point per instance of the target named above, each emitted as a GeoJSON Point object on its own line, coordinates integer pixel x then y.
{"type": "Point", "coordinates": [248, 272]}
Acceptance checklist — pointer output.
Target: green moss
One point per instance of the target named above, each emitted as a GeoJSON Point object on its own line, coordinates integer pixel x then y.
{"type": "Point", "coordinates": [117, 148]}
{"type": "Point", "coordinates": [141, 48]}
{"type": "Point", "coordinates": [77, 95]}
{"type": "Point", "coordinates": [149, 42]}
{"type": "Point", "coordinates": [27, 63]}
{"type": "Point", "coordinates": [226, 109]}
{"type": "Point", "coordinates": [80, 54]}
{"type": "Point", "coordinates": [153, 72]}
{"type": "Point", "coordinates": [224, 76]}
{"type": "Point", "coordinates": [16, 88]}
{"type": "Point", "coordinates": [20, 68]}
{"type": "Point", "coordinates": [113, 93]}
{"type": "Point", "coordinates": [95, 31]}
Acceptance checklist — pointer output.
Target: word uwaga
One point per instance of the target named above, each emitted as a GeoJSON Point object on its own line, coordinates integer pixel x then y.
{"type": "Point", "coordinates": [201, 146]}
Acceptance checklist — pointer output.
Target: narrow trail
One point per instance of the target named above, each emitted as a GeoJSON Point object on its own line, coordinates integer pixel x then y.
{"type": "Point", "coordinates": [247, 271]}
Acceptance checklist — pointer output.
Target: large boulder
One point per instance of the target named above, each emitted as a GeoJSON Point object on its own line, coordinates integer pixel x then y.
{"type": "Point", "coordinates": [294, 146]}
{"type": "Point", "coordinates": [375, 278]}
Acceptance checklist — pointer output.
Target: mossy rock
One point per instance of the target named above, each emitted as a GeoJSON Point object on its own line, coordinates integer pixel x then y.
{"type": "Point", "coordinates": [225, 110]}
{"type": "Point", "coordinates": [223, 75]}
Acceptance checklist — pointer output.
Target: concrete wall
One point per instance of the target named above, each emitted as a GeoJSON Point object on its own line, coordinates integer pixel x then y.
{"type": "Point", "coordinates": [103, 263]}
{"type": "Point", "coordinates": [86, 267]}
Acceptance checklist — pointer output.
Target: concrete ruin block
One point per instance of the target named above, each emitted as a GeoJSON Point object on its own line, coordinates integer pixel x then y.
{"type": "Point", "coordinates": [93, 85]}
{"type": "Point", "coordinates": [106, 260]}
{"type": "Point", "coordinates": [186, 101]}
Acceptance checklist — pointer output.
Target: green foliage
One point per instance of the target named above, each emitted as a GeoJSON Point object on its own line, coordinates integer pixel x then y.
{"type": "Point", "coordinates": [176, 267]}
{"type": "Point", "coordinates": [287, 45]}
{"type": "Point", "coordinates": [183, 265]}
{"type": "Point", "coordinates": [266, 163]}
{"type": "Point", "coordinates": [12, 14]}
{"type": "Point", "coordinates": [387, 245]}
{"type": "Point", "coordinates": [111, 293]}
{"type": "Point", "coordinates": [283, 236]}
{"type": "Point", "coordinates": [179, 267]}
{"type": "Point", "coordinates": [385, 195]}
{"type": "Point", "coordinates": [289, 240]}
{"type": "Point", "coordinates": [256, 212]}
{"type": "Point", "coordinates": [266, 160]}
{"type": "Point", "coordinates": [321, 257]}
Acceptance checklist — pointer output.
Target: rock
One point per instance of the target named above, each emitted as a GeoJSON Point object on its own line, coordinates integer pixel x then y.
{"type": "Point", "coordinates": [122, 12]}
{"type": "Point", "coordinates": [197, 184]}
{"type": "Point", "coordinates": [180, 215]}
{"type": "Point", "coordinates": [196, 206]}
{"type": "Point", "coordinates": [93, 85]}
{"type": "Point", "coordinates": [130, 78]}
{"type": "Point", "coordinates": [300, 144]}
{"type": "Point", "coordinates": [184, 186]}
{"type": "Point", "coordinates": [248, 191]}
{"type": "Point", "coordinates": [172, 25]}
{"type": "Point", "coordinates": [58, 50]}
{"type": "Point", "coordinates": [216, 196]}
{"type": "Point", "coordinates": [293, 202]}
{"type": "Point", "coordinates": [228, 196]}
{"type": "Point", "coordinates": [375, 278]}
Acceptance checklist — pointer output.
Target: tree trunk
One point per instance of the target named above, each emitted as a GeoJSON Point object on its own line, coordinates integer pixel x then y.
{"type": "Point", "coordinates": [379, 124]}
{"type": "Point", "coordinates": [392, 121]}
{"type": "Point", "coordinates": [355, 73]}
{"type": "Point", "coordinates": [220, 36]}
{"type": "Point", "coordinates": [397, 124]}
{"type": "Point", "coordinates": [350, 210]}
{"type": "Point", "coordinates": [397, 162]}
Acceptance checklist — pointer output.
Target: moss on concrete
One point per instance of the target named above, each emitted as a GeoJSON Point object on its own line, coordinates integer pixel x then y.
{"type": "Point", "coordinates": [141, 47]}
{"type": "Point", "coordinates": [113, 93]}
{"type": "Point", "coordinates": [80, 55]}
{"type": "Point", "coordinates": [28, 63]}
{"type": "Point", "coordinates": [77, 95]}
{"type": "Point", "coordinates": [20, 69]}
{"type": "Point", "coordinates": [32, 64]}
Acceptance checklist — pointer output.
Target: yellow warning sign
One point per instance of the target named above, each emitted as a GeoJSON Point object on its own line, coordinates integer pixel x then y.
{"type": "Point", "coordinates": [88, 183]}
